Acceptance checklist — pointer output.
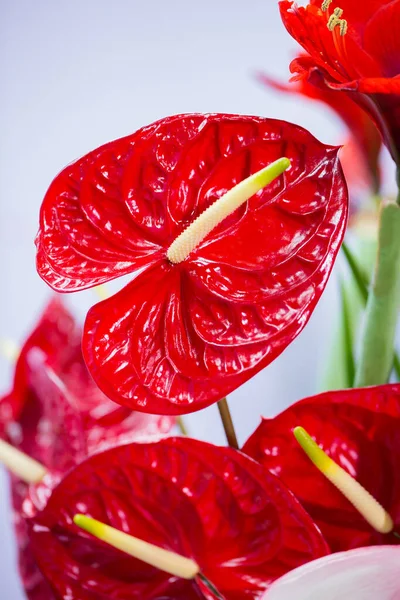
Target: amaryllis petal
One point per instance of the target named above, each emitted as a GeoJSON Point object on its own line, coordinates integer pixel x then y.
{"type": "Point", "coordinates": [363, 63]}
{"type": "Point", "coordinates": [238, 522]}
{"type": "Point", "coordinates": [181, 336]}
{"type": "Point", "coordinates": [364, 574]}
{"type": "Point", "coordinates": [359, 429]}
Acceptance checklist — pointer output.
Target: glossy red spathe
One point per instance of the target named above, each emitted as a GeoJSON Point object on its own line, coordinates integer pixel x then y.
{"type": "Point", "coordinates": [54, 399]}
{"type": "Point", "coordinates": [56, 414]}
{"type": "Point", "coordinates": [179, 337]}
{"type": "Point", "coordinates": [240, 523]}
{"type": "Point", "coordinates": [360, 430]}
{"type": "Point", "coordinates": [364, 63]}
{"type": "Point", "coordinates": [360, 154]}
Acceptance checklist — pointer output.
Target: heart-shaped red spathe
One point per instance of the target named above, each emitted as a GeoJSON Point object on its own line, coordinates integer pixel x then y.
{"type": "Point", "coordinates": [360, 430]}
{"type": "Point", "coordinates": [56, 414]}
{"type": "Point", "coordinates": [54, 399]}
{"type": "Point", "coordinates": [180, 337]}
{"type": "Point", "coordinates": [238, 521]}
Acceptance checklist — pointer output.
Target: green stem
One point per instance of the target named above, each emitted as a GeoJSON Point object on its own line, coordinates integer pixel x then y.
{"type": "Point", "coordinates": [347, 334]}
{"type": "Point", "coordinates": [377, 344]}
{"type": "Point", "coordinates": [359, 276]}
{"type": "Point", "coordinates": [362, 283]}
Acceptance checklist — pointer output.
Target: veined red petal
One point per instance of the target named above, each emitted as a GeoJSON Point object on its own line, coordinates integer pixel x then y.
{"type": "Point", "coordinates": [240, 523]}
{"type": "Point", "coordinates": [357, 13]}
{"type": "Point", "coordinates": [365, 62]}
{"type": "Point", "coordinates": [381, 38]}
{"type": "Point", "coordinates": [56, 414]}
{"type": "Point", "coordinates": [180, 337]}
{"type": "Point", "coordinates": [360, 154]}
{"type": "Point", "coordinates": [359, 430]}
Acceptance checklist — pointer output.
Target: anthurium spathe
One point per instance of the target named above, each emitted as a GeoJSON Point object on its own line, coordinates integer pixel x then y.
{"type": "Point", "coordinates": [360, 153]}
{"type": "Point", "coordinates": [359, 429]}
{"type": "Point", "coordinates": [56, 414]}
{"type": "Point", "coordinates": [186, 332]}
{"type": "Point", "coordinates": [54, 400]}
{"type": "Point", "coordinates": [214, 505]}
{"type": "Point", "coordinates": [353, 47]}
{"type": "Point", "coordinates": [362, 574]}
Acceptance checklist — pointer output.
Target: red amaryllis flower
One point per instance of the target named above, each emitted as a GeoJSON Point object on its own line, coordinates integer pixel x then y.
{"type": "Point", "coordinates": [362, 62]}
{"type": "Point", "coordinates": [360, 155]}
{"type": "Point", "coordinates": [215, 505]}
{"type": "Point", "coordinates": [360, 430]}
{"type": "Point", "coordinates": [181, 336]}
{"type": "Point", "coordinates": [56, 414]}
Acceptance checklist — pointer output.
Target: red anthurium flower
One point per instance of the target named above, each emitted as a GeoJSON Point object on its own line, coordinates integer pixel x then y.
{"type": "Point", "coordinates": [56, 414]}
{"type": "Point", "coordinates": [360, 430]}
{"type": "Point", "coordinates": [359, 54]}
{"type": "Point", "coordinates": [215, 505]}
{"type": "Point", "coordinates": [181, 336]}
{"type": "Point", "coordinates": [360, 155]}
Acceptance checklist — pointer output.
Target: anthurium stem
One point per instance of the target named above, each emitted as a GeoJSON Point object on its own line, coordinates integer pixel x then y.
{"type": "Point", "coordinates": [182, 427]}
{"type": "Point", "coordinates": [227, 422]}
{"type": "Point", "coordinates": [210, 586]}
{"type": "Point", "coordinates": [382, 311]}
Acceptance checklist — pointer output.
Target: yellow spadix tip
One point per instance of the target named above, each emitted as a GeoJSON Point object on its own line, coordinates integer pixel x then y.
{"type": "Point", "coordinates": [372, 511]}
{"type": "Point", "coordinates": [266, 175]}
{"type": "Point", "coordinates": [90, 525]}
{"type": "Point", "coordinates": [162, 559]}
{"type": "Point", "coordinates": [313, 451]}
{"type": "Point", "coordinates": [224, 206]}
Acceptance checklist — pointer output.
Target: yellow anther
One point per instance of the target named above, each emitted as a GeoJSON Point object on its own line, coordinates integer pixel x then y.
{"type": "Point", "coordinates": [195, 233]}
{"type": "Point", "coordinates": [326, 4]}
{"type": "Point", "coordinates": [343, 26]}
{"type": "Point", "coordinates": [336, 20]}
{"type": "Point", "coordinates": [367, 506]}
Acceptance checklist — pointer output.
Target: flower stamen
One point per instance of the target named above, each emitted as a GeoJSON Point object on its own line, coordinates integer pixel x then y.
{"type": "Point", "coordinates": [336, 20]}
{"type": "Point", "coordinates": [195, 233]}
{"type": "Point", "coordinates": [325, 5]}
{"type": "Point", "coordinates": [372, 511]}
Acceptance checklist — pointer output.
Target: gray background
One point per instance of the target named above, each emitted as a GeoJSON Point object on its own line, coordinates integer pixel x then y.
{"type": "Point", "coordinates": [77, 73]}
